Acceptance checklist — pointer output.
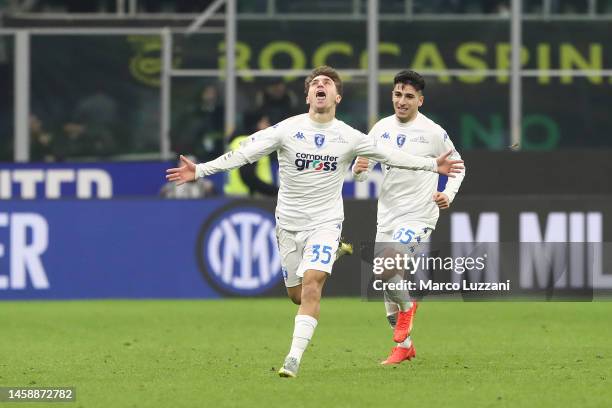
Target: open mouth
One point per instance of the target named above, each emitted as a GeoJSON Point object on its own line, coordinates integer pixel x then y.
{"type": "Point", "coordinates": [320, 95]}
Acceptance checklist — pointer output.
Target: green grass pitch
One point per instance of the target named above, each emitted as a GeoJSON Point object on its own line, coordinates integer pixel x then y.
{"type": "Point", "coordinates": [226, 353]}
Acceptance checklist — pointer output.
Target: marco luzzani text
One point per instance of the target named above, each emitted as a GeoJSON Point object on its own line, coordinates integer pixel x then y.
{"type": "Point", "coordinates": [457, 265]}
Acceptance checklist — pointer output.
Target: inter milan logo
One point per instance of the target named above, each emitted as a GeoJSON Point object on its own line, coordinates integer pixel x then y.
{"type": "Point", "coordinates": [237, 251]}
{"type": "Point", "coordinates": [319, 139]}
{"type": "Point", "coordinates": [401, 139]}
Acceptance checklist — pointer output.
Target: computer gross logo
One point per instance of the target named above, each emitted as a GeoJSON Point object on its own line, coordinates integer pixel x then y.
{"type": "Point", "coordinates": [237, 251]}
{"type": "Point", "coordinates": [317, 162]}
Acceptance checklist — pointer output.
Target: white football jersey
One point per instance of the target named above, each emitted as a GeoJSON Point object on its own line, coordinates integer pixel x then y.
{"type": "Point", "coordinates": [407, 195]}
{"type": "Point", "coordinates": [313, 158]}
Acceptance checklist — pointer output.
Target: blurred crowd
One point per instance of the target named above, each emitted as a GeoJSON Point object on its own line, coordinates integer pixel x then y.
{"type": "Point", "coordinates": [94, 128]}
{"type": "Point", "coordinates": [199, 130]}
{"type": "Point", "coordinates": [93, 131]}
{"type": "Point", "coordinates": [95, 124]}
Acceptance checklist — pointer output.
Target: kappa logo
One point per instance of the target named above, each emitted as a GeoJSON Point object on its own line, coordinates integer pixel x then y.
{"type": "Point", "coordinates": [401, 139]}
{"type": "Point", "coordinates": [319, 139]}
{"type": "Point", "coordinates": [237, 252]}
{"type": "Point", "coordinates": [385, 136]}
{"type": "Point", "coordinates": [299, 136]}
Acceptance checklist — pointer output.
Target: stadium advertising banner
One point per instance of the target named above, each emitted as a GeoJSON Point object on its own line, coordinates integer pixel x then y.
{"type": "Point", "coordinates": [104, 180]}
{"type": "Point", "coordinates": [82, 180]}
{"type": "Point", "coordinates": [425, 46]}
{"type": "Point", "coordinates": [100, 180]}
{"type": "Point", "coordinates": [126, 68]}
{"type": "Point", "coordinates": [70, 249]}
{"type": "Point", "coordinates": [137, 249]}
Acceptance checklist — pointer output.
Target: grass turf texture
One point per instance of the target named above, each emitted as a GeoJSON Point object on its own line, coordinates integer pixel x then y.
{"type": "Point", "coordinates": [226, 353]}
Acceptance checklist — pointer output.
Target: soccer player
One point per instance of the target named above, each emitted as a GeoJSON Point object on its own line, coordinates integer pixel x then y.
{"type": "Point", "coordinates": [314, 151]}
{"type": "Point", "coordinates": [408, 203]}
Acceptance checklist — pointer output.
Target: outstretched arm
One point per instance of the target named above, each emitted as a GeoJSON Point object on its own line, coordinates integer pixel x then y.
{"type": "Point", "coordinates": [453, 184]}
{"type": "Point", "coordinates": [362, 168]}
{"type": "Point", "coordinates": [181, 175]}
{"type": "Point", "coordinates": [396, 158]}
{"type": "Point", "coordinates": [189, 171]}
{"type": "Point", "coordinates": [445, 198]}
{"type": "Point", "coordinates": [256, 146]}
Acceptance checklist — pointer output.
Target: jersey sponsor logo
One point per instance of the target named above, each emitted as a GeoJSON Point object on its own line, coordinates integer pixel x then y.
{"type": "Point", "coordinates": [237, 251]}
{"type": "Point", "coordinates": [401, 139]}
{"type": "Point", "coordinates": [338, 139]}
{"type": "Point", "coordinates": [317, 162]}
{"type": "Point", "coordinates": [385, 136]}
{"type": "Point", "coordinates": [319, 140]}
{"type": "Point", "coordinates": [419, 139]}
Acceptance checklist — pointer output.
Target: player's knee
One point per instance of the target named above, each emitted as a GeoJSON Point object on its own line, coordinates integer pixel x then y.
{"type": "Point", "coordinates": [296, 298]}
{"type": "Point", "coordinates": [311, 292]}
{"type": "Point", "coordinates": [295, 294]}
{"type": "Point", "coordinates": [388, 274]}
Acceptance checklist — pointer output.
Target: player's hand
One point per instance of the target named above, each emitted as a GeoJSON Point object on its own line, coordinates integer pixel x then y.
{"type": "Point", "coordinates": [361, 165]}
{"type": "Point", "coordinates": [183, 174]}
{"type": "Point", "coordinates": [441, 200]}
{"type": "Point", "coordinates": [447, 166]}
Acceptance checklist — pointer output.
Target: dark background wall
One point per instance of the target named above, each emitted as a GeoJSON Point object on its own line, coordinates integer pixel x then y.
{"type": "Point", "coordinates": [558, 172]}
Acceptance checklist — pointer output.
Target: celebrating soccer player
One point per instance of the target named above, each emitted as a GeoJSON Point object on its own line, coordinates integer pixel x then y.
{"type": "Point", "coordinates": [408, 203]}
{"type": "Point", "coordinates": [314, 151]}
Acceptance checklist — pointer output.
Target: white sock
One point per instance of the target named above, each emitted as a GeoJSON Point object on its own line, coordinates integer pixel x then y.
{"type": "Point", "coordinates": [302, 333]}
{"type": "Point", "coordinates": [406, 343]}
{"type": "Point", "coordinates": [391, 308]}
{"type": "Point", "coordinates": [399, 297]}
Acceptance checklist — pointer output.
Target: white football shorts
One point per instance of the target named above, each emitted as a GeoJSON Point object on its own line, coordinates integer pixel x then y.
{"type": "Point", "coordinates": [303, 250]}
{"type": "Point", "coordinates": [404, 237]}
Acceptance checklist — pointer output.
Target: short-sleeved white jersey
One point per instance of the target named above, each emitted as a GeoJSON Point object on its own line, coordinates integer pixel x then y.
{"type": "Point", "coordinates": [407, 195]}
{"type": "Point", "coordinates": [313, 158]}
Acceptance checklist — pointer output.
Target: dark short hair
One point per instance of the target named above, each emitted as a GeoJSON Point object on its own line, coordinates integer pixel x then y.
{"type": "Point", "coordinates": [413, 78]}
{"type": "Point", "coordinates": [328, 72]}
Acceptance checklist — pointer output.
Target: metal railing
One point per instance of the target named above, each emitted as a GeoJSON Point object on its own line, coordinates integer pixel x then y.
{"type": "Point", "coordinates": [352, 9]}
{"type": "Point", "coordinates": [230, 73]}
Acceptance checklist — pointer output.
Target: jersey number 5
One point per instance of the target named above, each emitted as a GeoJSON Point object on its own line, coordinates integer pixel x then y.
{"type": "Point", "coordinates": [403, 235]}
